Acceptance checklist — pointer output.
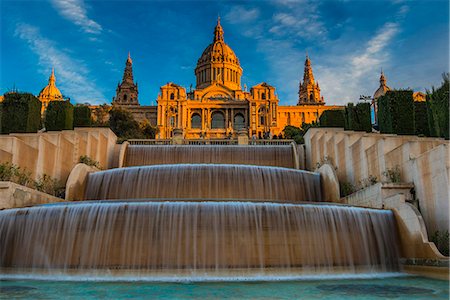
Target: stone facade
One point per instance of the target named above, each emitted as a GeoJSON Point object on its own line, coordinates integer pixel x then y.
{"type": "Point", "coordinates": [218, 107]}
{"type": "Point", "coordinates": [50, 93]}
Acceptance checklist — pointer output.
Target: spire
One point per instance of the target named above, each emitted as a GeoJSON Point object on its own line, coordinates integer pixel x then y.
{"type": "Point", "coordinates": [308, 77]}
{"type": "Point", "coordinates": [382, 79]}
{"type": "Point", "coordinates": [128, 72]}
{"type": "Point", "coordinates": [218, 31]}
{"type": "Point", "coordinates": [52, 79]}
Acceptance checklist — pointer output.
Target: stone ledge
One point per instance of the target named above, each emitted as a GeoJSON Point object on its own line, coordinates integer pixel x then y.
{"type": "Point", "coordinates": [13, 195]}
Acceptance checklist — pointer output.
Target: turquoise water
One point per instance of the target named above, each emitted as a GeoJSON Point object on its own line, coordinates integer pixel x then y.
{"type": "Point", "coordinates": [406, 287]}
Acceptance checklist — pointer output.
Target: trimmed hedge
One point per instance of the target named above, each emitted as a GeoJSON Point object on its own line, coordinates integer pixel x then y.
{"type": "Point", "coordinates": [357, 117]}
{"type": "Point", "coordinates": [396, 112]}
{"type": "Point", "coordinates": [82, 116]}
{"type": "Point", "coordinates": [438, 105]}
{"type": "Point", "coordinates": [21, 112]}
{"type": "Point", "coordinates": [332, 118]}
{"type": "Point", "coordinates": [421, 119]}
{"type": "Point", "coordinates": [59, 116]}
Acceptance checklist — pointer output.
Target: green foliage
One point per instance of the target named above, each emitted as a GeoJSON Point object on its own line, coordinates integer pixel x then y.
{"type": "Point", "coordinates": [441, 240]}
{"type": "Point", "coordinates": [396, 111]}
{"type": "Point", "coordinates": [59, 116]}
{"type": "Point", "coordinates": [124, 125]}
{"type": "Point", "coordinates": [49, 185]}
{"type": "Point", "coordinates": [438, 104]}
{"type": "Point", "coordinates": [100, 115]}
{"type": "Point", "coordinates": [297, 133]}
{"type": "Point", "coordinates": [332, 118]}
{"type": "Point", "coordinates": [369, 181]}
{"type": "Point", "coordinates": [148, 131]}
{"type": "Point", "coordinates": [20, 112]}
{"type": "Point", "coordinates": [357, 117]}
{"type": "Point", "coordinates": [421, 118]}
{"type": "Point", "coordinates": [82, 116]}
{"type": "Point", "coordinates": [346, 188]}
{"type": "Point", "coordinates": [84, 159]}
{"type": "Point", "coordinates": [392, 175]}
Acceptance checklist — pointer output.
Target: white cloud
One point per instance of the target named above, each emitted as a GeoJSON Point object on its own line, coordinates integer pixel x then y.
{"type": "Point", "coordinates": [240, 14]}
{"type": "Point", "coordinates": [71, 74]}
{"type": "Point", "coordinates": [75, 11]}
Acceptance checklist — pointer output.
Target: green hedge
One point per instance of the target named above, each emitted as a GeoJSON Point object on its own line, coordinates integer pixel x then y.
{"type": "Point", "coordinates": [396, 112]}
{"type": "Point", "coordinates": [59, 116]}
{"type": "Point", "coordinates": [332, 118]}
{"type": "Point", "coordinates": [357, 117]}
{"type": "Point", "coordinates": [82, 116]}
{"type": "Point", "coordinates": [21, 112]}
{"type": "Point", "coordinates": [438, 105]}
{"type": "Point", "coordinates": [421, 119]}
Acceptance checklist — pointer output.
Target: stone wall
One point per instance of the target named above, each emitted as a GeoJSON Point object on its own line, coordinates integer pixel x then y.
{"type": "Point", "coordinates": [13, 195]}
{"type": "Point", "coordinates": [55, 153]}
{"type": "Point", "coordinates": [422, 161]}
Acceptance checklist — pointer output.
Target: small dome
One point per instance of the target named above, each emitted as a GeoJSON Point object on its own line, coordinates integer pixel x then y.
{"type": "Point", "coordinates": [51, 92]}
{"type": "Point", "coordinates": [381, 91]}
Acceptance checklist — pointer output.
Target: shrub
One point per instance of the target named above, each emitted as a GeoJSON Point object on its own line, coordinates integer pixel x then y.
{"type": "Point", "coordinates": [396, 111]}
{"type": "Point", "coordinates": [392, 175]}
{"type": "Point", "coordinates": [346, 188]}
{"type": "Point", "coordinates": [13, 173]}
{"type": "Point", "coordinates": [369, 181]}
{"type": "Point", "coordinates": [21, 112]}
{"type": "Point", "coordinates": [441, 240]}
{"type": "Point", "coordinates": [357, 117]}
{"type": "Point", "coordinates": [421, 126]}
{"type": "Point", "coordinates": [82, 116]}
{"type": "Point", "coordinates": [438, 104]}
{"type": "Point", "coordinates": [124, 125]}
{"type": "Point", "coordinates": [332, 118]}
{"type": "Point", "coordinates": [49, 185]}
{"type": "Point", "coordinates": [89, 161]}
{"type": "Point", "coordinates": [59, 116]}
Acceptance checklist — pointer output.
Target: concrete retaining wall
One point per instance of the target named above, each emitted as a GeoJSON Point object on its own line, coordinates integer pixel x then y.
{"type": "Point", "coordinates": [55, 153]}
{"type": "Point", "coordinates": [13, 195]}
{"type": "Point", "coordinates": [423, 162]}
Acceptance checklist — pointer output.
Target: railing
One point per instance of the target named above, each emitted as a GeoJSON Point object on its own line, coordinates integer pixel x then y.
{"type": "Point", "coordinates": [269, 142]}
{"type": "Point", "coordinates": [223, 142]}
{"type": "Point", "coordinates": [150, 142]}
{"type": "Point", "coordinates": [209, 142]}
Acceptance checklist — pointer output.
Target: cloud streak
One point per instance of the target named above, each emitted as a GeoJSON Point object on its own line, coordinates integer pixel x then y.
{"type": "Point", "coordinates": [76, 12]}
{"type": "Point", "coordinates": [73, 74]}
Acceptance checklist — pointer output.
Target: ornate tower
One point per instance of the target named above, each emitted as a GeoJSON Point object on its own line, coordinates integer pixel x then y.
{"type": "Point", "coordinates": [383, 87]}
{"type": "Point", "coordinates": [309, 90]}
{"type": "Point", "coordinates": [127, 91]}
{"type": "Point", "coordinates": [218, 64]}
{"type": "Point", "coordinates": [50, 92]}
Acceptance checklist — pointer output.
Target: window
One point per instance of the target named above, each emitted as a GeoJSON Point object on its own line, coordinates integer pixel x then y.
{"type": "Point", "coordinates": [125, 98]}
{"type": "Point", "coordinates": [239, 121]}
{"type": "Point", "coordinates": [263, 96]}
{"type": "Point", "coordinates": [218, 120]}
{"type": "Point", "coordinates": [196, 121]}
{"type": "Point", "coordinates": [262, 115]}
{"type": "Point", "coordinates": [172, 96]}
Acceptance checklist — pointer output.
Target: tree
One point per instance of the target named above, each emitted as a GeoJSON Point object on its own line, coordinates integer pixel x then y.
{"type": "Point", "coordinates": [124, 125]}
{"type": "Point", "coordinates": [438, 104]}
{"type": "Point", "coordinates": [148, 131]}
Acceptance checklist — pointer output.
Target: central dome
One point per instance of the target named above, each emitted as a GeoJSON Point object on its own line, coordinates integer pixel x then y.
{"type": "Point", "coordinates": [218, 64]}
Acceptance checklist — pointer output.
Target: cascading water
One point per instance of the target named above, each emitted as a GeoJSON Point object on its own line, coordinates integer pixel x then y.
{"type": "Point", "coordinates": [198, 221]}
{"type": "Point", "coordinates": [199, 237]}
{"type": "Point", "coordinates": [279, 156]}
{"type": "Point", "coordinates": [205, 181]}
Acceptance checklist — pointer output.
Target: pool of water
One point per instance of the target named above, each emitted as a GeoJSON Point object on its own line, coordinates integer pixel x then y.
{"type": "Point", "coordinates": [404, 287]}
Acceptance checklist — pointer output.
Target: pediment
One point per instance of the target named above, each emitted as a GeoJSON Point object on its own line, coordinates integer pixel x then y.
{"type": "Point", "coordinates": [217, 92]}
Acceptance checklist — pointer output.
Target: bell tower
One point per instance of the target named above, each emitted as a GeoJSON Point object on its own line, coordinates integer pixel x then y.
{"type": "Point", "coordinates": [127, 91]}
{"type": "Point", "coordinates": [309, 90]}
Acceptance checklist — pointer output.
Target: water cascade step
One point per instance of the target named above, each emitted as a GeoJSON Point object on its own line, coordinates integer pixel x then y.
{"type": "Point", "coordinates": [198, 236]}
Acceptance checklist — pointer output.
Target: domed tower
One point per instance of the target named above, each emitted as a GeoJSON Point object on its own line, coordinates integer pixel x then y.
{"type": "Point", "coordinates": [50, 92]}
{"type": "Point", "coordinates": [218, 64]}
{"type": "Point", "coordinates": [309, 90]}
{"type": "Point", "coordinates": [381, 91]}
{"type": "Point", "coordinates": [127, 91]}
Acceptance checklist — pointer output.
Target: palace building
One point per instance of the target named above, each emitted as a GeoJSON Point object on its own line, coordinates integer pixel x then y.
{"type": "Point", "coordinates": [50, 93]}
{"type": "Point", "coordinates": [218, 107]}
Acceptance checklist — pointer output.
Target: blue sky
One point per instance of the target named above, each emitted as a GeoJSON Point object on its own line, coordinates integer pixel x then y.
{"type": "Point", "coordinates": [87, 43]}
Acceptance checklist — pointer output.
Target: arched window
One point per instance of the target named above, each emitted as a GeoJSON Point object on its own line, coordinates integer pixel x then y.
{"type": "Point", "coordinates": [172, 96]}
{"type": "Point", "coordinates": [311, 97]}
{"type": "Point", "coordinates": [263, 96]}
{"type": "Point", "coordinates": [217, 120]}
{"type": "Point", "coordinates": [239, 121]}
{"type": "Point", "coordinates": [262, 115]}
{"type": "Point", "coordinates": [196, 121]}
{"type": "Point", "coordinates": [125, 98]}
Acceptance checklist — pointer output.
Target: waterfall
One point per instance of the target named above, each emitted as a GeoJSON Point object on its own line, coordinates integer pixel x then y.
{"type": "Point", "coordinates": [205, 181]}
{"type": "Point", "coordinates": [198, 236]}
